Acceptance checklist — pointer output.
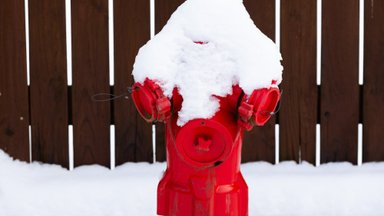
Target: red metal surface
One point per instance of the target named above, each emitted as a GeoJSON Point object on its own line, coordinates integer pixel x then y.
{"type": "Point", "coordinates": [203, 157]}
{"type": "Point", "coordinates": [150, 101]}
{"type": "Point", "coordinates": [258, 108]}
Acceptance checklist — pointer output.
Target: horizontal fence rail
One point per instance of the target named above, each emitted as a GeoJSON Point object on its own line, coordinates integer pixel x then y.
{"type": "Point", "coordinates": [58, 45]}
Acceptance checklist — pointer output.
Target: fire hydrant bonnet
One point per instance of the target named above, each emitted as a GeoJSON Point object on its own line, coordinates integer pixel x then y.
{"type": "Point", "coordinates": [233, 52]}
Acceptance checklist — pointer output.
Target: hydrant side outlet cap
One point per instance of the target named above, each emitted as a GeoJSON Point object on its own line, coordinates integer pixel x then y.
{"type": "Point", "coordinates": [144, 100]}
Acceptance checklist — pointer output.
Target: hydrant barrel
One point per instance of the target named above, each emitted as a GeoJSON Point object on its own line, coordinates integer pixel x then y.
{"type": "Point", "coordinates": [203, 156]}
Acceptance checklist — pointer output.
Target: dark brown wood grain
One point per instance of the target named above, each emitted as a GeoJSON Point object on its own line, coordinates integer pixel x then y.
{"type": "Point", "coordinates": [48, 91]}
{"type": "Point", "coordinates": [163, 11]}
{"type": "Point", "coordinates": [14, 117]}
{"type": "Point", "coordinates": [131, 31]}
{"type": "Point", "coordinates": [91, 120]}
{"type": "Point", "coordinates": [259, 144]}
{"type": "Point", "coordinates": [373, 121]}
{"type": "Point", "coordinates": [339, 85]}
{"type": "Point", "coordinates": [298, 115]}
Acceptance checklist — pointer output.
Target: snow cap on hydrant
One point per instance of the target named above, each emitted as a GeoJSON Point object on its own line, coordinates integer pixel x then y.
{"type": "Point", "coordinates": [231, 51]}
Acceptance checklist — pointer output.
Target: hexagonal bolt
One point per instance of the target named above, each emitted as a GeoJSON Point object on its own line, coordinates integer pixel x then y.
{"type": "Point", "coordinates": [203, 144]}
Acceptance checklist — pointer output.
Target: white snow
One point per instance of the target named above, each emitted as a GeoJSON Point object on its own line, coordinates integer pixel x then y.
{"type": "Point", "coordinates": [338, 189]}
{"type": "Point", "coordinates": [235, 51]}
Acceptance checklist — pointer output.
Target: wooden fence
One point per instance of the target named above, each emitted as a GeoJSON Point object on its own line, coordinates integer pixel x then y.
{"type": "Point", "coordinates": [49, 105]}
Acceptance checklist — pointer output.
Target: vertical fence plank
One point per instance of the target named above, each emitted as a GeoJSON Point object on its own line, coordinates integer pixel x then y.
{"type": "Point", "coordinates": [91, 119]}
{"type": "Point", "coordinates": [299, 113]}
{"type": "Point", "coordinates": [49, 108]}
{"type": "Point", "coordinates": [14, 115]}
{"type": "Point", "coordinates": [259, 144]}
{"type": "Point", "coordinates": [339, 90]}
{"type": "Point", "coordinates": [373, 147]}
{"type": "Point", "coordinates": [163, 11]}
{"type": "Point", "coordinates": [133, 134]}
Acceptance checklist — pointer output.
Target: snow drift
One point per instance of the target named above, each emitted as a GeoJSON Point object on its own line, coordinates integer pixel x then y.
{"type": "Point", "coordinates": [280, 190]}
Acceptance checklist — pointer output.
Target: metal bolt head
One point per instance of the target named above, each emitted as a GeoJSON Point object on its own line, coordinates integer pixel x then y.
{"type": "Point", "coordinates": [203, 144]}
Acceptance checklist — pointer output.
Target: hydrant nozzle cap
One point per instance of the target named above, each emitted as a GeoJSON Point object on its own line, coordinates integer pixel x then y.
{"type": "Point", "coordinates": [203, 142]}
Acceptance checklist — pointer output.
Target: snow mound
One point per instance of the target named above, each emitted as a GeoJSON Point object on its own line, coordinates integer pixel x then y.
{"type": "Point", "coordinates": [286, 189]}
{"type": "Point", "coordinates": [233, 51]}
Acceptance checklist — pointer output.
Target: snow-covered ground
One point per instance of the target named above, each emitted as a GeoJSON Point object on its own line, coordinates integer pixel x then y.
{"type": "Point", "coordinates": [285, 189]}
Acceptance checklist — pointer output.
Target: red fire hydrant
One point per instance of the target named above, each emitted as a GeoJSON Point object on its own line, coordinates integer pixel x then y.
{"type": "Point", "coordinates": [203, 157]}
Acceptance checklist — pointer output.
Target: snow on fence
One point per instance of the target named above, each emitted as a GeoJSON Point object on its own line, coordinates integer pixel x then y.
{"type": "Point", "coordinates": [91, 44]}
